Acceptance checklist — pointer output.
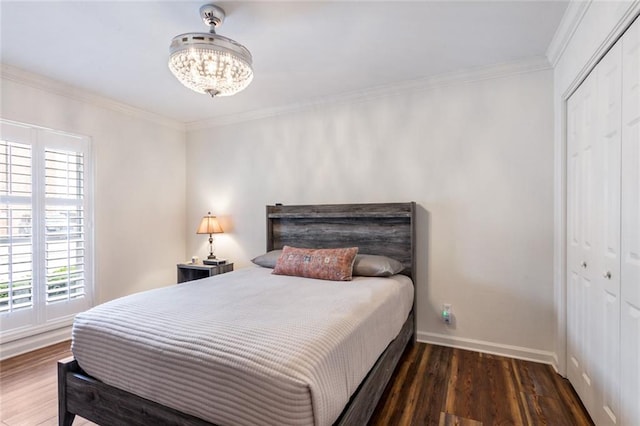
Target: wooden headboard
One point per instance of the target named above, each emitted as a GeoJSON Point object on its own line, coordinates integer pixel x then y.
{"type": "Point", "coordinates": [384, 229]}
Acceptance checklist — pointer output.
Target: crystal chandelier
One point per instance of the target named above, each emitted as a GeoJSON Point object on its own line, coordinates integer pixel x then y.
{"type": "Point", "coordinates": [208, 62]}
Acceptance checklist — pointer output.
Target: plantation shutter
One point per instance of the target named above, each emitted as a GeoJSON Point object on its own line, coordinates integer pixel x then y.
{"type": "Point", "coordinates": [45, 239]}
{"type": "Point", "coordinates": [64, 225]}
{"type": "Point", "coordinates": [16, 247]}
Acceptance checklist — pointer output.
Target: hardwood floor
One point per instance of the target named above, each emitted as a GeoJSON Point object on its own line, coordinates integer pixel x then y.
{"type": "Point", "coordinates": [29, 388]}
{"type": "Point", "coordinates": [436, 385]}
{"type": "Point", "coordinates": [433, 385]}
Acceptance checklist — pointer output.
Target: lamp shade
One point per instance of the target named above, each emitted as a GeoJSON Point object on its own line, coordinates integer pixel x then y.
{"type": "Point", "coordinates": [209, 225]}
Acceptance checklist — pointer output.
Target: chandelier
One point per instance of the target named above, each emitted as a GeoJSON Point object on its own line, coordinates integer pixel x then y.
{"type": "Point", "coordinates": [208, 62]}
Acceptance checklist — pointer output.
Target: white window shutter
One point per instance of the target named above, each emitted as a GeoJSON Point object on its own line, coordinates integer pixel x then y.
{"type": "Point", "coordinates": [45, 240]}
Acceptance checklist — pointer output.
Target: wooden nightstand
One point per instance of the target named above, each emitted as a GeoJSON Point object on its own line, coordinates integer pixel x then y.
{"type": "Point", "coordinates": [191, 271]}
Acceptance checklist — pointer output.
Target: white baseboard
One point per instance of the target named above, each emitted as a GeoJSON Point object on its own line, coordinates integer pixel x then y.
{"type": "Point", "coordinates": [510, 351]}
{"type": "Point", "coordinates": [28, 344]}
{"type": "Point", "coordinates": [555, 363]}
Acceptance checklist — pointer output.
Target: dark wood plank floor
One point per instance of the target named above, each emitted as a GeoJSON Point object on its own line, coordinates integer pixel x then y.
{"type": "Point", "coordinates": [436, 385]}
{"type": "Point", "coordinates": [433, 385]}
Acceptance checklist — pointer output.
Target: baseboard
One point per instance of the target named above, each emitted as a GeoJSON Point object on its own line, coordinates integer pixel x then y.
{"type": "Point", "coordinates": [510, 351]}
{"type": "Point", "coordinates": [555, 363]}
{"type": "Point", "coordinates": [28, 344]}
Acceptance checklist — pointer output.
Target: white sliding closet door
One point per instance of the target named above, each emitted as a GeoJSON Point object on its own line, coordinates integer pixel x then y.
{"type": "Point", "coordinates": [630, 266]}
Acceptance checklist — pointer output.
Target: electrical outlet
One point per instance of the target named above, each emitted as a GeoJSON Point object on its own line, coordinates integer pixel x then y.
{"type": "Point", "coordinates": [446, 313]}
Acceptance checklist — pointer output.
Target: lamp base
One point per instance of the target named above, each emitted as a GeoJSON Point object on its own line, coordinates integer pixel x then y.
{"type": "Point", "coordinates": [211, 256]}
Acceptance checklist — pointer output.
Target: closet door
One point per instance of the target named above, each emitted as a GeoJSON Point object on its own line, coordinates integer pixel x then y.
{"type": "Point", "coordinates": [581, 230]}
{"type": "Point", "coordinates": [607, 259]}
{"type": "Point", "coordinates": [603, 236]}
{"type": "Point", "coordinates": [630, 253]}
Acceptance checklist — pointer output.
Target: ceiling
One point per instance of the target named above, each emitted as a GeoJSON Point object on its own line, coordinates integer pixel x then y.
{"type": "Point", "coordinates": [303, 52]}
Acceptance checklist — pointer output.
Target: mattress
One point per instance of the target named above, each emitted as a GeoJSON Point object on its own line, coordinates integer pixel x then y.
{"type": "Point", "coordinates": [246, 347]}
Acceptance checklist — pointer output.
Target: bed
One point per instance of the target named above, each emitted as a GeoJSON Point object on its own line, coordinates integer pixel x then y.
{"type": "Point", "coordinates": [383, 229]}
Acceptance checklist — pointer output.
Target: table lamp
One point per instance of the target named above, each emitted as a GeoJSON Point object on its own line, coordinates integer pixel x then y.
{"type": "Point", "coordinates": [209, 225]}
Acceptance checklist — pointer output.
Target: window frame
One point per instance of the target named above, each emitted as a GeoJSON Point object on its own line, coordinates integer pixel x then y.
{"type": "Point", "coordinates": [43, 316]}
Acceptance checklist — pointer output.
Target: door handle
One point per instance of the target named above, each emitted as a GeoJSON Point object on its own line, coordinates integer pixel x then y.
{"type": "Point", "coordinates": [583, 264]}
{"type": "Point", "coordinates": [607, 275]}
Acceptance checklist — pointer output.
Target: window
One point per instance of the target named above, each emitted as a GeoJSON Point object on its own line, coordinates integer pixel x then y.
{"type": "Point", "coordinates": [45, 243]}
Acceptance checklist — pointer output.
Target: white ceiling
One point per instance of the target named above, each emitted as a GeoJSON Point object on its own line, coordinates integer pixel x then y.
{"type": "Point", "coordinates": [302, 51]}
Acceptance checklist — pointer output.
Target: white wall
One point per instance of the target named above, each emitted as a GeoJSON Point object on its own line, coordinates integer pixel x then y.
{"type": "Point", "coordinates": [139, 181]}
{"type": "Point", "coordinates": [597, 26]}
{"type": "Point", "coordinates": [477, 157]}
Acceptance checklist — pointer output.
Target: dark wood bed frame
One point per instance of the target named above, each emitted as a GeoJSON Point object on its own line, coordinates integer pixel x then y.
{"type": "Point", "coordinates": [386, 229]}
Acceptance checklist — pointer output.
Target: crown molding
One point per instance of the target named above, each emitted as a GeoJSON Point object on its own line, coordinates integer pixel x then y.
{"type": "Point", "coordinates": [626, 19]}
{"type": "Point", "coordinates": [564, 33]}
{"type": "Point", "coordinates": [572, 19]}
{"type": "Point", "coordinates": [37, 81]}
{"type": "Point", "coordinates": [538, 63]}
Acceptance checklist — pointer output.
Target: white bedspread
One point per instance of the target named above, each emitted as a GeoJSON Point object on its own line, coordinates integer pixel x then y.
{"type": "Point", "coordinates": [246, 347]}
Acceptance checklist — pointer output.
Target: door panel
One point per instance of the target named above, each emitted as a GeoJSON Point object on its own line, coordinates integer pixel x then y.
{"type": "Point", "coordinates": [630, 392]}
{"type": "Point", "coordinates": [582, 238]}
{"type": "Point", "coordinates": [630, 241]}
{"type": "Point", "coordinates": [607, 259]}
{"type": "Point", "coordinates": [574, 221]}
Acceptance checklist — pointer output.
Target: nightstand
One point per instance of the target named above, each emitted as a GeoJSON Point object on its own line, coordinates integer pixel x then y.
{"type": "Point", "coordinates": [195, 271]}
